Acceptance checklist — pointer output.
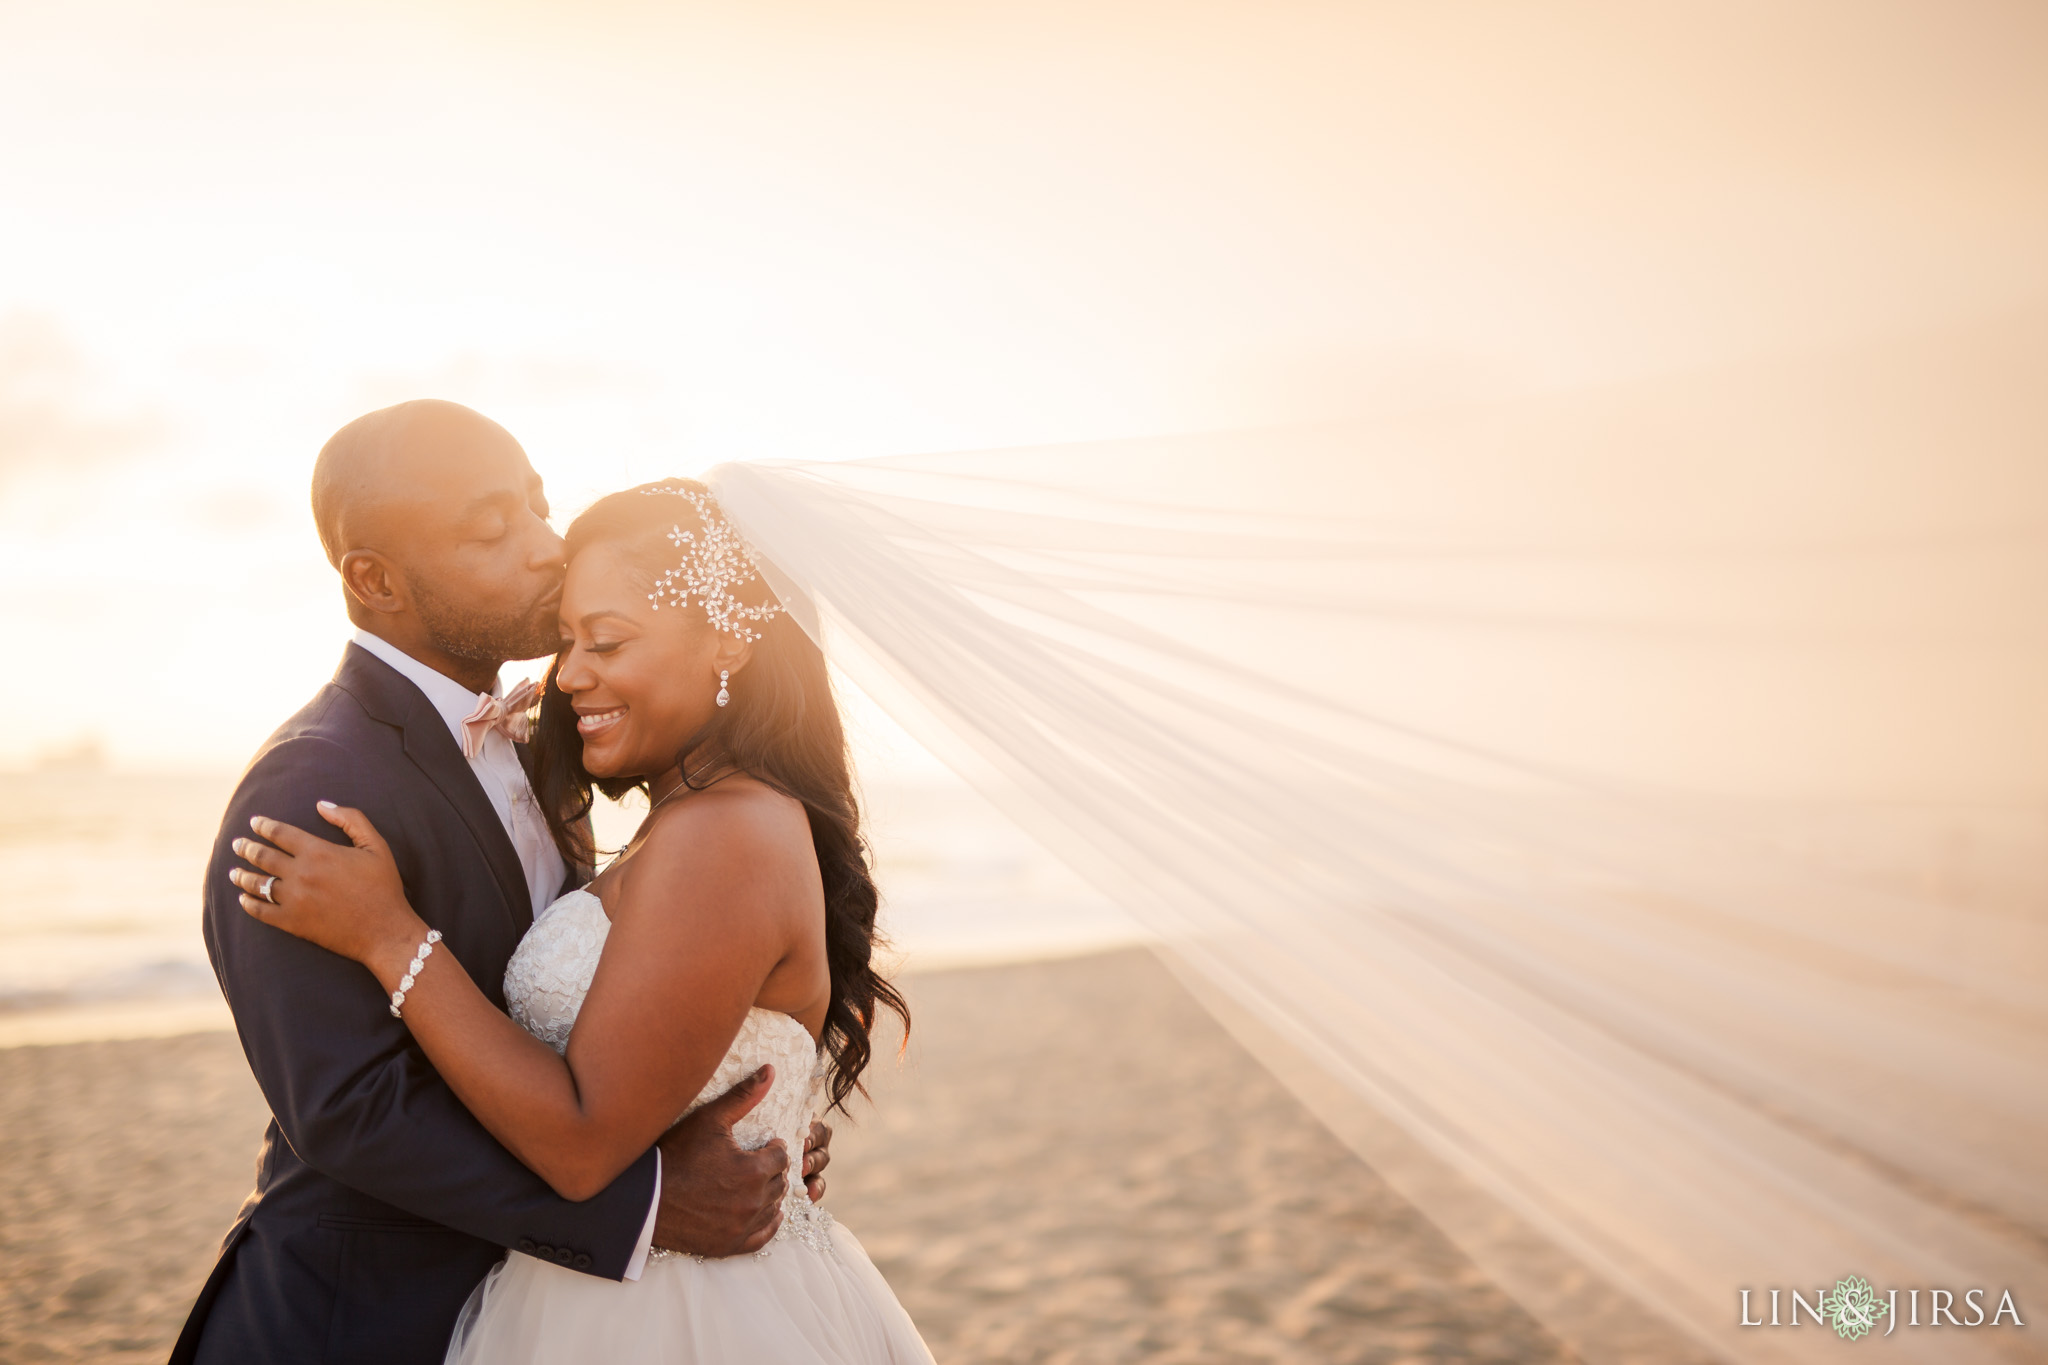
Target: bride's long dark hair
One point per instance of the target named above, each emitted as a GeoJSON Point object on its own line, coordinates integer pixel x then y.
{"type": "Point", "coordinates": [782, 728]}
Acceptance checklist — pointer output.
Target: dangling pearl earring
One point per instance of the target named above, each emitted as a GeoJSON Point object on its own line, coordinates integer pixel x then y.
{"type": "Point", "coordinates": [723, 695]}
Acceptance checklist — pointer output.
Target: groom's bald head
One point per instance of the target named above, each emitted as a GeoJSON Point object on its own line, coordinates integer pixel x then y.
{"type": "Point", "coordinates": [438, 526]}
{"type": "Point", "coordinates": [377, 465]}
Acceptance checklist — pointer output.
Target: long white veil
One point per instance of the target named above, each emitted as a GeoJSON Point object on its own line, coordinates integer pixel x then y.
{"type": "Point", "coordinates": [1623, 815]}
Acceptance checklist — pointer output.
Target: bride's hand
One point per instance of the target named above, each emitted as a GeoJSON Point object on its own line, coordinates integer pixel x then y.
{"type": "Point", "coordinates": [348, 898]}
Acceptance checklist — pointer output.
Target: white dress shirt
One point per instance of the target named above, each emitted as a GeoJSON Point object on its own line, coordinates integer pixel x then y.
{"type": "Point", "coordinates": [503, 779]}
{"type": "Point", "coordinates": [497, 768]}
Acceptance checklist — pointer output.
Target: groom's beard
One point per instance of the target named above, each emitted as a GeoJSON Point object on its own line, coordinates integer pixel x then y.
{"type": "Point", "coordinates": [468, 633]}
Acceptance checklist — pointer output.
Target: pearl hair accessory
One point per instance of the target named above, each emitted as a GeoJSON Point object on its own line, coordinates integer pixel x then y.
{"type": "Point", "coordinates": [412, 970]}
{"type": "Point", "coordinates": [715, 561]}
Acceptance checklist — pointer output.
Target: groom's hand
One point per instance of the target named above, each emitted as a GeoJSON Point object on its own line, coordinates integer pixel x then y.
{"type": "Point", "coordinates": [717, 1200]}
{"type": "Point", "coordinates": [817, 1156]}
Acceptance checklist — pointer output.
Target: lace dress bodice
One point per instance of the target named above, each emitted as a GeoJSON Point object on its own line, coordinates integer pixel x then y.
{"type": "Point", "coordinates": [550, 973]}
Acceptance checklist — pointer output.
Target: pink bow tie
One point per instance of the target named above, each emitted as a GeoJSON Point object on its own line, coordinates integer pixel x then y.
{"type": "Point", "coordinates": [506, 715]}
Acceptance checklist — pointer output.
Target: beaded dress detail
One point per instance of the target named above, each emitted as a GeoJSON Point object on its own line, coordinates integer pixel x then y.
{"type": "Point", "coordinates": [810, 1297]}
{"type": "Point", "coordinates": [545, 983]}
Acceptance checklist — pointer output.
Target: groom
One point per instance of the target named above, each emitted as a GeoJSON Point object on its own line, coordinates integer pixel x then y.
{"type": "Point", "coordinates": [380, 1202]}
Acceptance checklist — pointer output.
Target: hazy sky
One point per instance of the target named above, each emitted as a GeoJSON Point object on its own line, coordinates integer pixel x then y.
{"type": "Point", "coordinates": [650, 237]}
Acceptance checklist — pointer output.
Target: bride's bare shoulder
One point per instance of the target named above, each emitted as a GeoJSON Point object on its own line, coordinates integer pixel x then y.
{"type": "Point", "coordinates": [739, 832]}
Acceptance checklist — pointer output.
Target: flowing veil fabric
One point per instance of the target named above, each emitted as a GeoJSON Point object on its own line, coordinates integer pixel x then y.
{"type": "Point", "coordinates": [1623, 814]}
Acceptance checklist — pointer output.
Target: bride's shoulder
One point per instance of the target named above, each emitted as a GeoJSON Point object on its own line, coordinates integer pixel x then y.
{"type": "Point", "coordinates": [741, 824]}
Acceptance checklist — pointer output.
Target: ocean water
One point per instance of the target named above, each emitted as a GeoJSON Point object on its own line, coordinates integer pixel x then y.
{"type": "Point", "coordinates": [100, 877]}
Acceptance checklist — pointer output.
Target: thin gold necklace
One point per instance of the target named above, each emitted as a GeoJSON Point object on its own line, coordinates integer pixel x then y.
{"type": "Point", "coordinates": [641, 832]}
{"type": "Point", "coordinates": [683, 785]}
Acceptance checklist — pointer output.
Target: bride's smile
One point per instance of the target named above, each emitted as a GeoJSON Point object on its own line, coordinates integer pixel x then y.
{"type": "Point", "coordinates": [592, 723]}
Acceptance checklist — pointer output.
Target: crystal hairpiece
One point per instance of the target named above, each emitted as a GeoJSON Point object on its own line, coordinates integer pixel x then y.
{"type": "Point", "coordinates": [716, 560]}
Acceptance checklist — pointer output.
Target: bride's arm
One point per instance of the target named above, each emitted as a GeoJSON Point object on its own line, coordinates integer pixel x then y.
{"type": "Point", "coordinates": [708, 906]}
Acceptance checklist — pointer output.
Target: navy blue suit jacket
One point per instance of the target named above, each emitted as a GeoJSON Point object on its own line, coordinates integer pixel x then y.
{"type": "Point", "coordinates": [379, 1201]}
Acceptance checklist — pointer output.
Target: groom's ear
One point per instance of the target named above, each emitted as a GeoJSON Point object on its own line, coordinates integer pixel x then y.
{"type": "Point", "coordinates": [373, 582]}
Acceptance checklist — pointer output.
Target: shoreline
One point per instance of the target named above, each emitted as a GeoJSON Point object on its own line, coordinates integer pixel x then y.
{"type": "Point", "coordinates": [125, 1021]}
{"type": "Point", "coordinates": [114, 1022]}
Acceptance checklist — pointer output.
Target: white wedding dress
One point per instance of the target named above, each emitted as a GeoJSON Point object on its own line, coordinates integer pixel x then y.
{"type": "Point", "coordinates": [810, 1295]}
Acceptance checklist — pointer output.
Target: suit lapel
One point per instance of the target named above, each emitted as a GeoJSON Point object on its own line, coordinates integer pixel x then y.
{"type": "Point", "coordinates": [391, 698]}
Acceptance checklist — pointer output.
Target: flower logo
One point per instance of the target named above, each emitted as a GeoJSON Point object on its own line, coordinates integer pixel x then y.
{"type": "Point", "coordinates": [1853, 1307]}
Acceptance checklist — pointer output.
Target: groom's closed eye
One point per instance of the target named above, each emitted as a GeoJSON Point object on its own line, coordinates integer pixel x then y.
{"type": "Point", "coordinates": [488, 519]}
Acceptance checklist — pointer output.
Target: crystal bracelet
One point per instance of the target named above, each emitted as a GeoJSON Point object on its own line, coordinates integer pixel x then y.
{"type": "Point", "coordinates": [412, 970]}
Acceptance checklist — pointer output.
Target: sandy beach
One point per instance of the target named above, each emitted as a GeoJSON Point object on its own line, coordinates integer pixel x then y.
{"type": "Point", "coordinates": [1073, 1164]}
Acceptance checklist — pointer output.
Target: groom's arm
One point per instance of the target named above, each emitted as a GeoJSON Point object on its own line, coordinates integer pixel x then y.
{"type": "Point", "coordinates": [353, 1096]}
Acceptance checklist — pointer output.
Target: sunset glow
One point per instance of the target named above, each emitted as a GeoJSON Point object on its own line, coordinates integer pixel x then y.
{"type": "Point", "coordinates": [648, 239]}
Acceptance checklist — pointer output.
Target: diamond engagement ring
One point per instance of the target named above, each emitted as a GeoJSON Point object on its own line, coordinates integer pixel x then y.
{"type": "Point", "coordinates": [263, 891]}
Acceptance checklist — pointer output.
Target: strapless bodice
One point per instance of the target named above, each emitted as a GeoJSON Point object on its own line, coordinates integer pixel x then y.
{"type": "Point", "coordinates": [548, 977]}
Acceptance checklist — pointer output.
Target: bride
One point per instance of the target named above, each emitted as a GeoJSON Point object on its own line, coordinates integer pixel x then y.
{"type": "Point", "coordinates": [732, 934]}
